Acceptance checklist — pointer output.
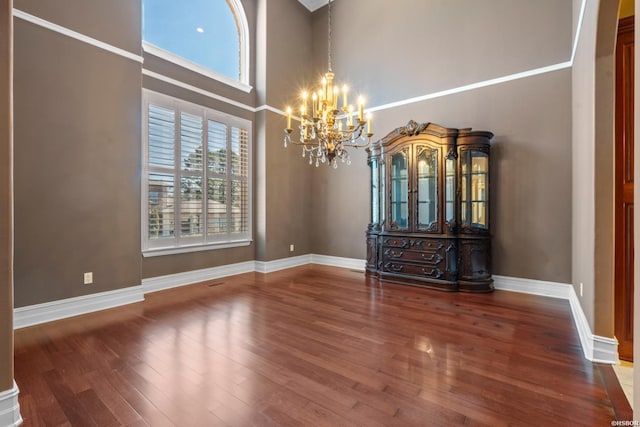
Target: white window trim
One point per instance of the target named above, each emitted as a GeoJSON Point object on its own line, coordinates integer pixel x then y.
{"type": "Point", "coordinates": [192, 66]}
{"type": "Point", "coordinates": [185, 245]}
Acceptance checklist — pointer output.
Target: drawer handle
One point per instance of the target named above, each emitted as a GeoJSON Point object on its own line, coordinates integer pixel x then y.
{"type": "Point", "coordinates": [435, 258]}
{"type": "Point", "coordinates": [394, 254]}
{"type": "Point", "coordinates": [433, 272]}
{"type": "Point", "coordinates": [394, 267]}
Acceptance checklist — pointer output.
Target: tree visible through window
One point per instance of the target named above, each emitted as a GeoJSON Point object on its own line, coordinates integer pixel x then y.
{"type": "Point", "coordinates": [205, 32]}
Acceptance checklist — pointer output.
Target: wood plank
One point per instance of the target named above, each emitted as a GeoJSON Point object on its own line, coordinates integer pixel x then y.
{"type": "Point", "coordinates": [312, 346]}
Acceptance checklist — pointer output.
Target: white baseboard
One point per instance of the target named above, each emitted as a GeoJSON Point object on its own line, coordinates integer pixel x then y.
{"type": "Point", "coordinates": [10, 408]}
{"type": "Point", "coordinates": [533, 287]}
{"type": "Point", "coordinates": [169, 281]}
{"type": "Point", "coordinates": [352, 263]}
{"type": "Point", "coordinates": [596, 348]}
{"type": "Point", "coordinates": [61, 309]}
{"type": "Point", "coordinates": [282, 263]}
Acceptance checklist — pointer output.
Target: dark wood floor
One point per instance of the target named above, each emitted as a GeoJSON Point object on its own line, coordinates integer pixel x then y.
{"type": "Point", "coordinates": [312, 346]}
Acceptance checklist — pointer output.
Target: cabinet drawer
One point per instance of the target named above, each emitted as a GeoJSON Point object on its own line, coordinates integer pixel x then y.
{"type": "Point", "coordinates": [417, 244]}
{"type": "Point", "coordinates": [424, 257]}
{"type": "Point", "coordinates": [412, 269]}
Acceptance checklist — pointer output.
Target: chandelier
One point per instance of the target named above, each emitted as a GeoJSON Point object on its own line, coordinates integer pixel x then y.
{"type": "Point", "coordinates": [327, 129]}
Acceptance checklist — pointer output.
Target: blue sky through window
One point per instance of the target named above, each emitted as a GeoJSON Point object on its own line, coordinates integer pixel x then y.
{"type": "Point", "coordinates": [202, 31]}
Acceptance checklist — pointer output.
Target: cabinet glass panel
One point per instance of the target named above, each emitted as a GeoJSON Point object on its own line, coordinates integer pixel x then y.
{"type": "Point", "coordinates": [383, 193]}
{"type": "Point", "coordinates": [399, 180]}
{"type": "Point", "coordinates": [474, 188]}
{"type": "Point", "coordinates": [375, 193]}
{"type": "Point", "coordinates": [427, 187]}
{"type": "Point", "coordinates": [450, 190]}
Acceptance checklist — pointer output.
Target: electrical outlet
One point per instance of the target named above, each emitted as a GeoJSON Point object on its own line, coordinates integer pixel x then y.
{"type": "Point", "coordinates": [581, 289]}
{"type": "Point", "coordinates": [88, 278]}
{"type": "Point", "coordinates": [291, 247]}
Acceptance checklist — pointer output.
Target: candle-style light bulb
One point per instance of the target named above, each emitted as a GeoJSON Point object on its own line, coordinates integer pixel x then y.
{"type": "Point", "coordinates": [360, 108]}
{"type": "Point", "coordinates": [288, 117]}
{"type": "Point", "coordinates": [305, 95]}
{"type": "Point", "coordinates": [345, 90]}
{"type": "Point", "coordinates": [324, 88]}
{"type": "Point", "coordinates": [336, 93]}
{"type": "Point", "coordinates": [314, 100]}
{"type": "Point", "coordinates": [369, 131]}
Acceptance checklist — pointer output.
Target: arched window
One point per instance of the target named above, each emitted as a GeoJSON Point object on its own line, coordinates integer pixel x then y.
{"type": "Point", "coordinates": [208, 36]}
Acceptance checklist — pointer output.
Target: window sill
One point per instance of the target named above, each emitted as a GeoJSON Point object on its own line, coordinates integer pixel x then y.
{"type": "Point", "coordinates": [195, 248]}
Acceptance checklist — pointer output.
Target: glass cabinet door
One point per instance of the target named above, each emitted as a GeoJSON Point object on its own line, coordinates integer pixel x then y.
{"type": "Point", "coordinates": [474, 189]}
{"type": "Point", "coordinates": [427, 199]}
{"type": "Point", "coordinates": [375, 193]}
{"type": "Point", "coordinates": [450, 190]}
{"type": "Point", "coordinates": [399, 181]}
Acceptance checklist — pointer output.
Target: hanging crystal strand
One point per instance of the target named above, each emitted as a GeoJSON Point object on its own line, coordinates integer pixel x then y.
{"type": "Point", "coordinates": [317, 164]}
{"type": "Point", "coordinates": [335, 164]}
{"type": "Point", "coordinates": [310, 159]}
{"type": "Point", "coordinates": [303, 150]}
{"type": "Point", "coordinates": [323, 158]}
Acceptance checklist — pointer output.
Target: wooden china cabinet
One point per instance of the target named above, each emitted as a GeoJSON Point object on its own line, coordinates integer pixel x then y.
{"type": "Point", "coordinates": [430, 208]}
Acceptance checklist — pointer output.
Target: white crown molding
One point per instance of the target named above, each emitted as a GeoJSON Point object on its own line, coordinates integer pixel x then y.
{"type": "Point", "coordinates": [313, 5]}
{"type": "Point", "coordinates": [578, 29]}
{"type": "Point", "coordinates": [472, 86]}
{"type": "Point", "coordinates": [266, 107]}
{"type": "Point", "coordinates": [76, 35]}
{"type": "Point", "coordinates": [10, 407]}
{"type": "Point", "coordinates": [196, 89]}
{"type": "Point", "coordinates": [61, 309]}
{"type": "Point", "coordinates": [595, 348]}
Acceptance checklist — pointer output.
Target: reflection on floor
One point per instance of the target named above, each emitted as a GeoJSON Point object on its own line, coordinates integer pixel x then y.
{"type": "Point", "coordinates": [624, 372]}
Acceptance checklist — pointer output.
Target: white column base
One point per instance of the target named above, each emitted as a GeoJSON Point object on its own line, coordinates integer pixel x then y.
{"type": "Point", "coordinates": [10, 408]}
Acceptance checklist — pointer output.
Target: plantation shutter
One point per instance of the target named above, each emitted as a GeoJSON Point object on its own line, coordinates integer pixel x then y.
{"type": "Point", "coordinates": [197, 176]}
{"type": "Point", "coordinates": [161, 150]}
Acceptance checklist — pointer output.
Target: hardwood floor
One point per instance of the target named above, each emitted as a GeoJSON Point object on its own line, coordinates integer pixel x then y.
{"type": "Point", "coordinates": [313, 346]}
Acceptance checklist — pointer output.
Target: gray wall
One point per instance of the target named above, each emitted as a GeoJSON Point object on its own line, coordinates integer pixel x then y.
{"type": "Point", "coordinates": [77, 153]}
{"type": "Point", "coordinates": [87, 137]}
{"type": "Point", "coordinates": [78, 156]}
{"type": "Point", "coordinates": [283, 179]}
{"type": "Point", "coordinates": [6, 197]}
{"type": "Point", "coordinates": [393, 53]}
{"type": "Point", "coordinates": [593, 160]}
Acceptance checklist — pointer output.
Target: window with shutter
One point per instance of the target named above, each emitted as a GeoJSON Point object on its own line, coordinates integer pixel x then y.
{"type": "Point", "coordinates": [197, 164]}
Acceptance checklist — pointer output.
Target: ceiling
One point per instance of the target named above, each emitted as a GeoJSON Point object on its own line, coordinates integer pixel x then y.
{"type": "Point", "coordinates": [313, 5]}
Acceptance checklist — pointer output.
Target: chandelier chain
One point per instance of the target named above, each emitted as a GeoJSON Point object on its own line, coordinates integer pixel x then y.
{"type": "Point", "coordinates": [329, 39]}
